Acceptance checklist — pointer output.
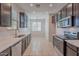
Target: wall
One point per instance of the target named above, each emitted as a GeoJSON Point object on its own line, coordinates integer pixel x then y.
{"type": "Point", "coordinates": [7, 31]}
{"type": "Point", "coordinates": [18, 9]}
{"type": "Point", "coordinates": [41, 16]}
{"type": "Point", "coordinates": [52, 27]}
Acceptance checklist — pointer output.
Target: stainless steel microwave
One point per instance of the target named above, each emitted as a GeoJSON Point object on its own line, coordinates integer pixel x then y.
{"type": "Point", "coordinates": [68, 21]}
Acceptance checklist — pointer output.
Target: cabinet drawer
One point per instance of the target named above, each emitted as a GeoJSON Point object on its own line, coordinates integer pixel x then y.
{"type": "Point", "coordinates": [72, 47]}
{"type": "Point", "coordinates": [23, 45]}
{"type": "Point", "coordinates": [26, 42]}
{"type": "Point", "coordinates": [59, 44]}
{"type": "Point", "coordinates": [70, 52]}
{"type": "Point", "coordinates": [6, 52]}
{"type": "Point", "coordinates": [16, 49]}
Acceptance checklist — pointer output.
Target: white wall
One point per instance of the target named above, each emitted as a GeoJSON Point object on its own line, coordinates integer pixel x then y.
{"type": "Point", "coordinates": [18, 9]}
{"type": "Point", "coordinates": [37, 15]}
{"type": "Point", "coordinates": [43, 16]}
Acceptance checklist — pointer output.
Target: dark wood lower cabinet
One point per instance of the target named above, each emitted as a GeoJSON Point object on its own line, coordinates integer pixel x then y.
{"type": "Point", "coordinates": [59, 44]}
{"type": "Point", "coordinates": [23, 45]}
{"type": "Point", "coordinates": [71, 50]}
{"type": "Point", "coordinates": [18, 48]}
{"type": "Point", "coordinates": [6, 52]}
{"type": "Point", "coordinates": [28, 39]}
{"type": "Point", "coordinates": [65, 48]}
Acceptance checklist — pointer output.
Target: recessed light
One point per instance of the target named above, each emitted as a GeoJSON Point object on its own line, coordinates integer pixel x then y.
{"type": "Point", "coordinates": [50, 5]}
{"type": "Point", "coordinates": [31, 5]}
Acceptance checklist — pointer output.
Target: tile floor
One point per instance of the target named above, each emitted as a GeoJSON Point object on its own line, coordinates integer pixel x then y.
{"type": "Point", "coordinates": [40, 46]}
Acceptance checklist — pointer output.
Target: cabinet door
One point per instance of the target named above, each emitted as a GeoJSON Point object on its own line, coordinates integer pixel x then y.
{"type": "Point", "coordinates": [55, 41]}
{"type": "Point", "coordinates": [26, 42]}
{"type": "Point", "coordinates": [56, 18]}
{"type": "Point", "coordinates": [74, 9]}
{"type": "Point", "coordinates": [76, 13]}
{"type": "Point", "coordinates": [59, 15]}
{"type": "Point", "coordinates": [61, 47]}
{"type": "Point", "coordinates": [16, 49]}
{"type": "Point", "coordinates": [64, 12]}
{"type": "Point", "coordinates": [69, 9]}
{"type": "Point", "coordinates": [5, 15]}
{"type": "Point", "coordinates": [58, 43]}
{"type": "Point", "coordinates": [70, 52]}
{"type": "Point", "coordinates": [29, 38]}
{"type": "Point", "coordinates": [23, 45]}
{"type": "Point", "coordinates": [77, 9]}
{"type": "Point", "coordinates": [7, 52]}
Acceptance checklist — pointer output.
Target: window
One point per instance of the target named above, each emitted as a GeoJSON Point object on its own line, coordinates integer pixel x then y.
{"type": "Point", "coordinates": [23, 20]}
{"type": "Point", "coordinates": [36, 26]}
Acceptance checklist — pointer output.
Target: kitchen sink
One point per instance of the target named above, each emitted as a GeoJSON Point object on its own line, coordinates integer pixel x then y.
{"type": "Point", "coordinates": [20, 36]}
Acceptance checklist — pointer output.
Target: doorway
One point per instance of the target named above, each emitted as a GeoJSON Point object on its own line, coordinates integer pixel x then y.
{"type": "Point", "coordinates": [38, 27]}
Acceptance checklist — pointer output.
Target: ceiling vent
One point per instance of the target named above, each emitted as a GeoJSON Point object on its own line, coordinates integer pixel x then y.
{"type": "Point", "coordinates": [37, 5]}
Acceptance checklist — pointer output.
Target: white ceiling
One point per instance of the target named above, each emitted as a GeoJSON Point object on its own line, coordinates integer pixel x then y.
{"type": "Point", "coordinates": [44, 7]}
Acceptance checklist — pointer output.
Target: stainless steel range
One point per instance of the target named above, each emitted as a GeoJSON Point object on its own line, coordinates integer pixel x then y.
{"type": "Point", "coordinates": [71, 35]}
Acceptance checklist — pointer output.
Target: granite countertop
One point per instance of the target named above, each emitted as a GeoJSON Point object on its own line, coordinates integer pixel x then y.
{"type": "Point", "coordinates": [8, 41]}
{"type": "Point", "coordinates": [73, 42]}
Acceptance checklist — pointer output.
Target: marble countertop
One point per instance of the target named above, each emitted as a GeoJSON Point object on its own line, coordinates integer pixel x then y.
{"type": "Point", "coordinates": [65, 38]}
{"type": "Point", "coordinates": [73, 42]}
{"type": "Point", "coordinates": [8, 41]}
{"type": "Point", "coordinates": [61, 37]}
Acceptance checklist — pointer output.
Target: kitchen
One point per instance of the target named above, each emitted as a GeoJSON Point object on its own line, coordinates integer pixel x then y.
{"type": "Point", "coordinates": [13, 40]}
{"type": "Point", "coordinates": [60, 28]}
{"type": "Point", "coordinates": [66, 41]}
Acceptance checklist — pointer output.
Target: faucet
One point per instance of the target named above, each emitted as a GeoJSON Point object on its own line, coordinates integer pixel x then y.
{"type": "Point", "coordinates": [17, 29]}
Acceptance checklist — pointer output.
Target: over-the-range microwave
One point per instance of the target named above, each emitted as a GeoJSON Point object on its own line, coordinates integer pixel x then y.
{"type": "Point", "coordinates": [68, 21]}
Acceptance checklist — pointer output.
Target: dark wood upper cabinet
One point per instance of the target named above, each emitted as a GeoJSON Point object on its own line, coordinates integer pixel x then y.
{"type": "Point", "coordinates": [76, 9]}
{"type": "Point", "coordinates": [76, 14]}
{"type": "Point", "coordinates": [69, 9]}
{"type": "Point", "coordinates": [59, 15]}
{"type": "Point", "coordinates": [64, 12]}
{"type": "Point", "coordinates": [5, 15]}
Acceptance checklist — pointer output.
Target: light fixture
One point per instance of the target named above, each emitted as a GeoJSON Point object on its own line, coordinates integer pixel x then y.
{"type": "Point", "coordinates": [31, 5]}
{"type": "Point", "coordinates": [50, 5]}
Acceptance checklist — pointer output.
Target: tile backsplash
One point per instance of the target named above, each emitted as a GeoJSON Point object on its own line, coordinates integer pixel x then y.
{"type": "Point", "coordinates": [60, 31]}
{"type": "Point", "coordinates": [5, 31]}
